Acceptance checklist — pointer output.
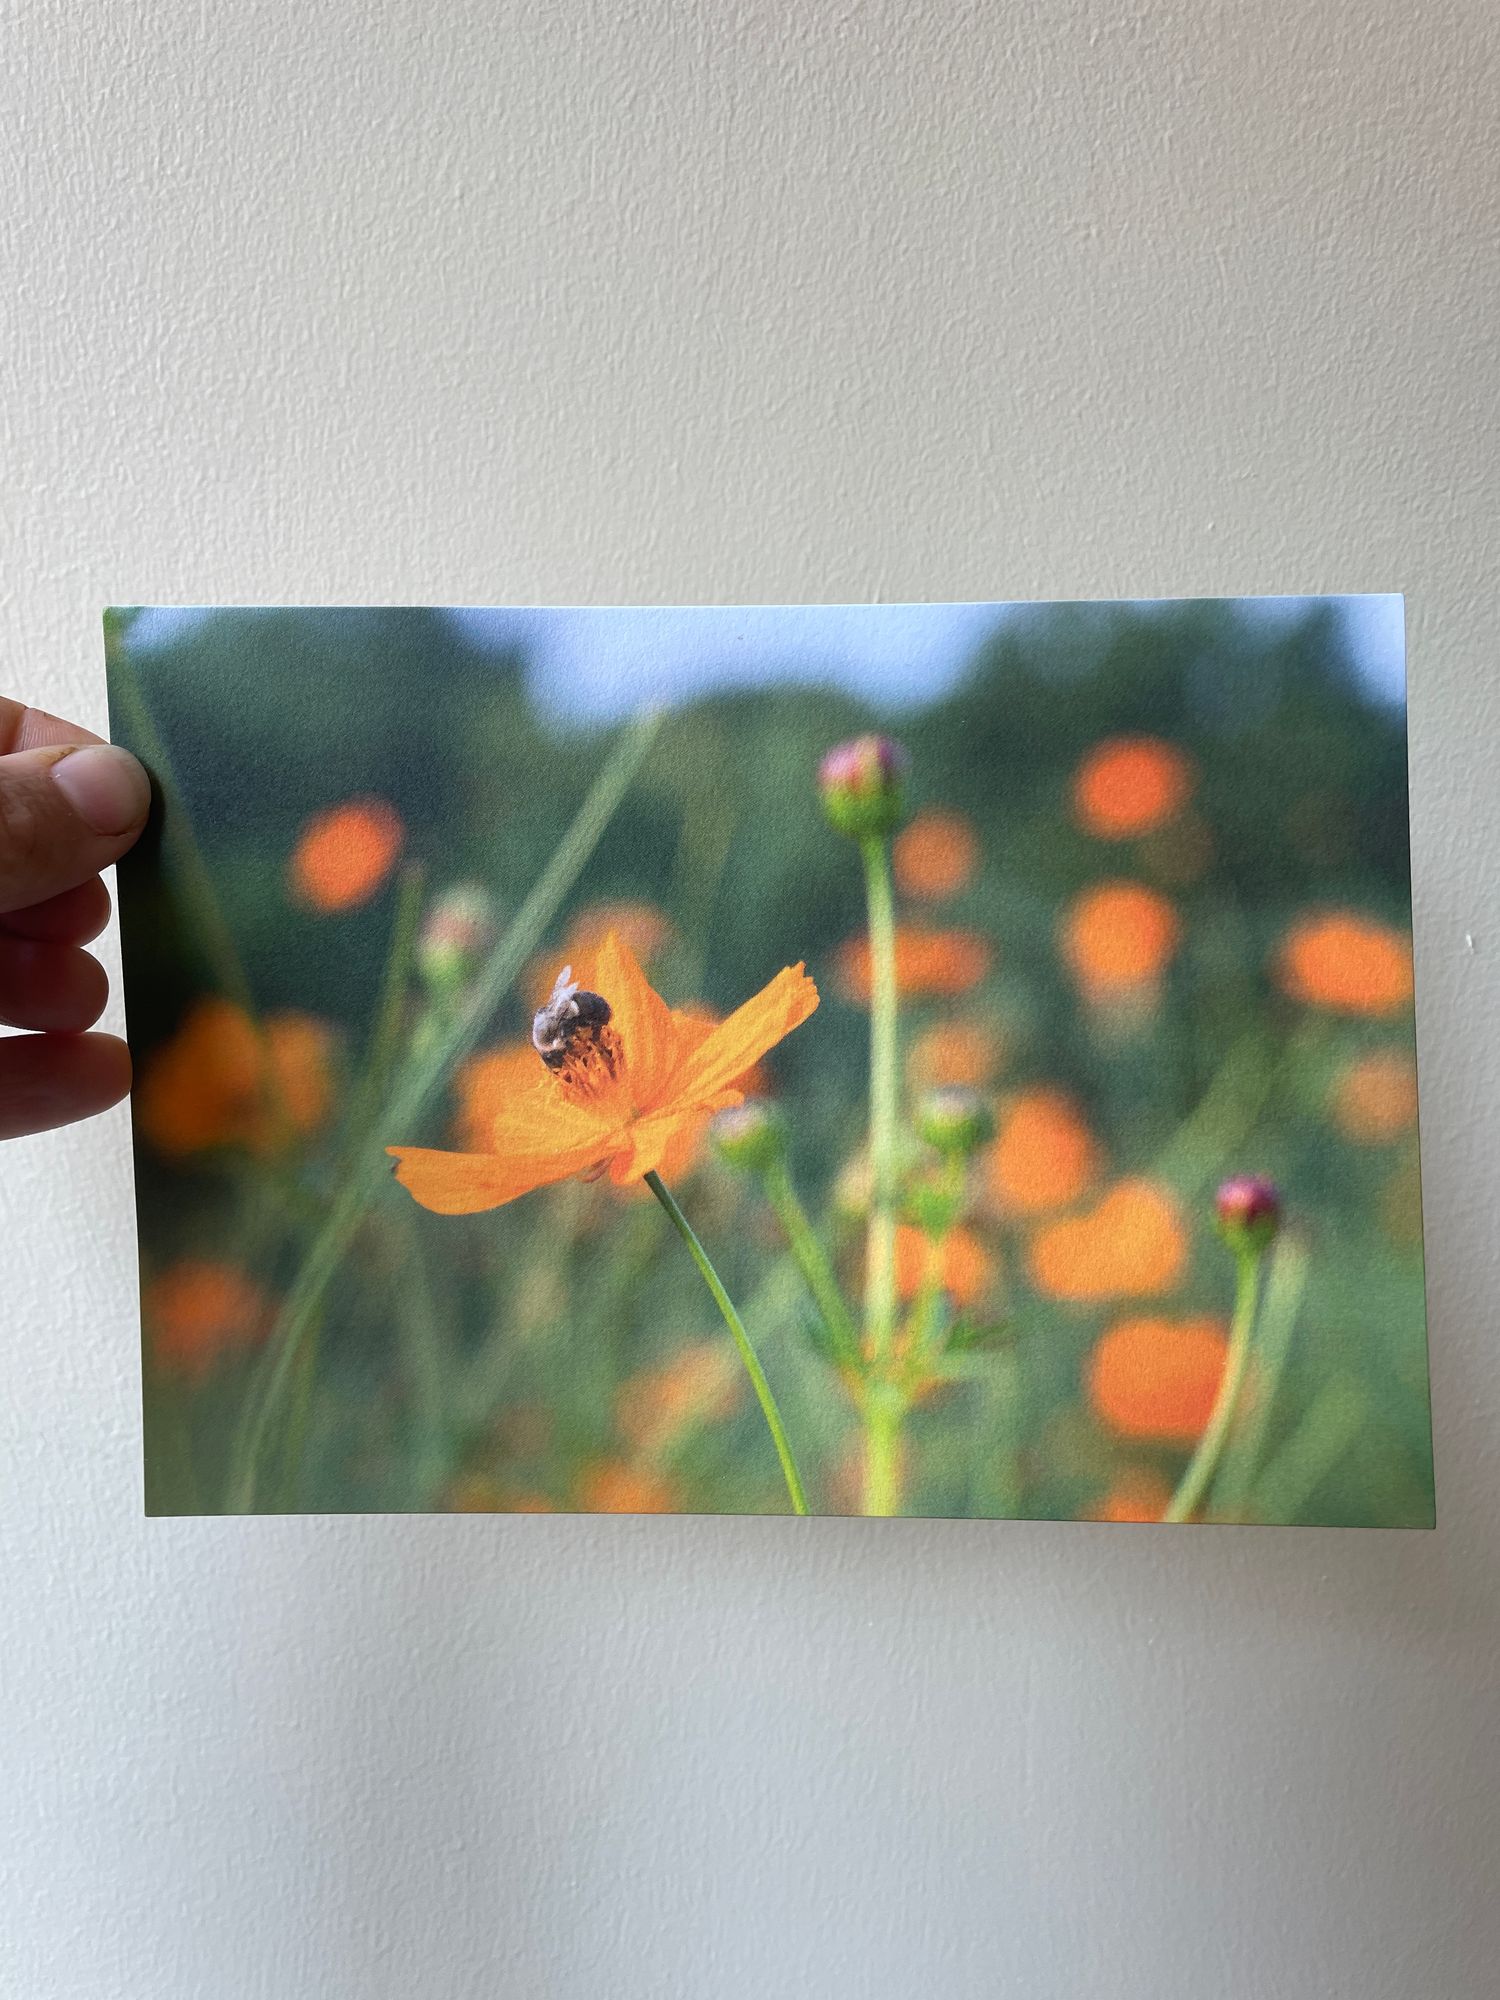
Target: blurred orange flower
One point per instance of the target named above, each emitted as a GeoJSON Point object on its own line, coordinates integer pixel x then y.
{"type": "Point", "coordinates": [344, 854]}
{"type": "Point", "coordinates": [959, 1262]}
{"type": "Point", "coordinates": [1350, 963]}
{"type": "Point", "coordinates": [1132, 1245]}
{"type": "Point", "coordinates": [1157, 1378]}
{"type": "Point", "coordinates": [198, 1311]}
{"type": "Point", "coordinates": [1374, 1100]}
{"type": "Point", "coordinates": [614, 1487]}
{"type": "Point", "coordinates": [1044, 1155]}
{"type": "Point", "coordinates": [969, 1053]}
{"type": "Point", "coordinates": [1136, 1494]}
{"type": "Point", "coordinates": [935, 855]}
{"type": "Point", "coordinates": [1130, 785]}
{"type": "Point", "coordinates": [625, 1091]}
{"type": "Point", "coordinates": [220, 1082]}
{"type": "Point", "coordinates": [930, 964]}
{"type": "Point", "coordinates": [641, 928]}
{"type": "Point", "coordinates": [700, 1385]}
{"type": "Point", "coordinates": [1117, 938]}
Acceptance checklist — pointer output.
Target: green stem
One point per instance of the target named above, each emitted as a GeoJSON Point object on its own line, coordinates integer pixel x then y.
{"type": "Point", "coordinates": [384, 1044]}
{"type": "Point", "coordinates": [415, 1088]}
{"type": "Point", "coordinates": [811, 1260]}
{"type": "Point", "coordinates": [1285, 1281]}
{"type": "Point", "coordinates": [880, 1275]}
{"type": "Point", "coordinates": [883, 1413]}
{"type": "Point", "coordinates": [748, 1355]}
{"type": "Point", "coordinates": [1192, 1488]}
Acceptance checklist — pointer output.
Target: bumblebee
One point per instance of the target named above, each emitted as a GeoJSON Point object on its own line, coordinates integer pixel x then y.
{"type": "Point", "coordinates": [571, 1025]}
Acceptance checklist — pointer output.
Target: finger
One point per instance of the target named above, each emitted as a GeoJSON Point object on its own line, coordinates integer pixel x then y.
{"type": "Point", "coordinates": [48, 1080]}
{"type": "Point", "coordinates": [65, 813]}
{"type": "Point", "coordinates": [23, 728]}
{"type": "Point", "coordinates": [55, 987]}
{"type": "Point", "coordinates": [74, 916]}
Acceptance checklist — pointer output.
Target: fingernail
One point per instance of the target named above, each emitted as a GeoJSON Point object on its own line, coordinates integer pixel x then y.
{"type": "Point", "coordinates": [105, 786]}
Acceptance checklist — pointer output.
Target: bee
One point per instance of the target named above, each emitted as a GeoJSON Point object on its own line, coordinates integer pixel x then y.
{"type": "Point", "coordinates": [572, 1023]}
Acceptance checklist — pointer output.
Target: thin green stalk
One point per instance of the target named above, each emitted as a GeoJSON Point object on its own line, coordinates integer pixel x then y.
{"type": "Point", "coordinates": [390, 1010]}
{"type": "Point", "coordinates": [1334, 1420]}
{"type": "Point", "coordinates": [880, 1278]}
{"type": "Point", "coordinates": [417, 1084]}
{"type": "Point", "coordinates": [1193, 1487]}
{"type": "Point", "coordinates": [1285, 1281]}
{"type": "Point", "coordinates": [883, 1412]}
{"type": "Point", "coordinates": [736, 1327]}
{"type": "Point", "coordinates": [812, 1261]}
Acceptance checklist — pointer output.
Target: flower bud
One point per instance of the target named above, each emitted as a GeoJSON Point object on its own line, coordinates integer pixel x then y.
{"type": "Point", "coordinates": [1248, 1209]}
{"type": "Point", "coordinates": [955, 1120]}
{"type": "Point", "coordinates": [750, 1136]}
{"type": "Point", "coordinates": [457, 933]}
{"type": "Point", "coordinates": [862, 784]}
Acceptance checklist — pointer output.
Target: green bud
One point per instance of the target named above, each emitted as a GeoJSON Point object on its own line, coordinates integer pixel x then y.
{"type": "Point", "coordinates": [862, 784]}
{"type": "Point", "coordinates": [458, 933]}
{"type": "Point", "coordinates": [750, 1136]}
{"type": "Point", "coordinates": [955, 1120]}
{"type": "Point", "coordinates": [1248, 1211]}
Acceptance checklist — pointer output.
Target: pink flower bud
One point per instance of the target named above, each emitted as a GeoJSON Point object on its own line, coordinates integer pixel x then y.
{"type": "Point", "coordinates": [1248, 1209]}
{"type": "Point", "coordinates": [862, 784]}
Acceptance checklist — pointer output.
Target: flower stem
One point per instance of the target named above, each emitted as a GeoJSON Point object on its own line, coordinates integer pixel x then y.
{"type": "Point", "coordinates": [736, 1327]}
{"type": "Point", "coordinates": [811, 1260]}
{"type": "Point", "coordinates": [1192, 1488]}
{"type": "Point", "coordinates": [417, 1082]}
{"type": "Point", "coordinates": [883, 1413]}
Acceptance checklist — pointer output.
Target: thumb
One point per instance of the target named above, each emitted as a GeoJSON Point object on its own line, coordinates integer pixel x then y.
{"type": "Point", "coordinates": [66, 811]}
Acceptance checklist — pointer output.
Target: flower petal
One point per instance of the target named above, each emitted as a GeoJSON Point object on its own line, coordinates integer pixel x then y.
{"type": "Point", "coordinates": [667, 1141]}
{"type": "Point", "coordinates": [465, 1183]}
{"type": "Point", "coordinates": [643, 1021]}
{"type": "Point", "coordinates": [739, 1043]}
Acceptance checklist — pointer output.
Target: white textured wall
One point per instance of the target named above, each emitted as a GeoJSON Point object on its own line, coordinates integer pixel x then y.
{"type": "Point", "coordinates": [478, 300]}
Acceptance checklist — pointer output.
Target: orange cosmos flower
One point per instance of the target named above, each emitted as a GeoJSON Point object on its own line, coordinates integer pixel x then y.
{"type": "Point", "coordinates": [620, 1077]}
{"type": "Point", "coordinates": [935, 856]}
{"type": "Point", "coordinates": [345, 853]}
{"type": "Point", "coordinates": [930, 964]}
{"type": "Point", "coordinates": [1157, 1378]}
{"type": "Point", "coordinates": [699, 1385]}
{"type": "Point", "coordinates": [1129, 786]}
{"type": "Point", "coordinates": [1131, 1245]}
{"type": "Point", "coordinates": [1375, 1098]}
{"type": "Point", "coordinates": [612, 1487]}
{"type": "Point", "coordinates": [219, 1082]}
{"type": "Point", "coordinates": [1044, 1156]}
{"type": "Point", "coordinates": [1118, 938]}
{"type": "Point", "coordinates": [1137, 1494]}
{"type": "Point", "coordinates": [967, 1053]}
{"type": "Point", "coordinates": [1349, 963]}
{"type": "Point", "coordinates": [959, 1262]}
{"type": "Point", "coordinates": [199, 1311]}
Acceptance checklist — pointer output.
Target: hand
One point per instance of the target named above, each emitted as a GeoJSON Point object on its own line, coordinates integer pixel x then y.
{"type": "Point", "coordinates": [69, 807]}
